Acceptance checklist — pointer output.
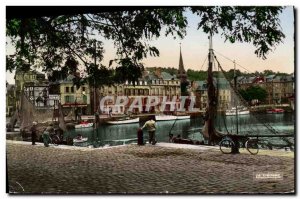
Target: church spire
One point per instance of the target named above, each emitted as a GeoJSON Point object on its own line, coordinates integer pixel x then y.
{"type": "Point", "coordinates": [181, 72]}
{"type": "Point", "coordinates": [182, 76]}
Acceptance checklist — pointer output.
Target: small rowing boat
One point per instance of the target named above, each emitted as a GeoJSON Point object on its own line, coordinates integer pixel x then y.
{"type": "Point", "coordinates": [84, 125]}
{"type": "Point", "coordinates": [80, 142]}
{"type": "Point", "coordinates": [275, 110]}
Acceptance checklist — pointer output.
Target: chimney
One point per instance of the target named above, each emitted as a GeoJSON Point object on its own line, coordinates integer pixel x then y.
{"type": "Point", "coordinates": [145, 73]}
{"type": "Point", "coordinates": [158, 72]}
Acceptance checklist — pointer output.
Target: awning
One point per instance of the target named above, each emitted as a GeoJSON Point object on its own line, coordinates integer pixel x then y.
{"type": "Point", "coordinates": [74, 105]}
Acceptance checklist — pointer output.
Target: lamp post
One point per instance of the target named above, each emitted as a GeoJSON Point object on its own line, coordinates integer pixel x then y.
{"type": "Point", "coordinates": [95, 124]}
{"type": "Point", "coordinates": [55, 104]}
{"type": "Point", "coordinates": [94, 77]}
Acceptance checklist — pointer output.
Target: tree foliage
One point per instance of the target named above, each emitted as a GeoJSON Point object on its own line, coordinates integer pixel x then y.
{"type": "Point", "coordinates": [195, 75]}
{"type": "Point", "coordinates": [257, 25]}
{"type": "Point", "coordinates": [254, 93]}
{"type": "Point", "coordinates": [60, 43]}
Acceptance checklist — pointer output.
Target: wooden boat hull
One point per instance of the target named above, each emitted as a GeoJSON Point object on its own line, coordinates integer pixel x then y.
{"type": "Point", "coordinates": [80, 142]}
{"type": "Point", "coordinates": [183, 117]}
{"type": "Point", "coordinates": [275, 111]}
{"type": "Point", "coordinates": [165, 117]}
{"type": "Point", "coordinates": [126, 121]}
{"type": "Point", "coordinates": [87, 125]}
{"type": "Point", "coordinates": [239, 113]}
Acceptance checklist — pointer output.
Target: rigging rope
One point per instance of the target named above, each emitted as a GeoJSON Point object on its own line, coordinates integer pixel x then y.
{"type": "Point", "coordinates": [268, 126]}
{"type": "Point", "coordinates": [235, 62]}
{"type": "Point", "coordinates": [203, 63]}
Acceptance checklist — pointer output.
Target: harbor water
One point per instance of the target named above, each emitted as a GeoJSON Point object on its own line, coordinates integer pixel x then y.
{"type": "Point", "coordinates": [189, 129]}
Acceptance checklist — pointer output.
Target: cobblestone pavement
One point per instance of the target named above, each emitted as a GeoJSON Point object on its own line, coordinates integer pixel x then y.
{"type": "Point", "coordinates": [142, 169]}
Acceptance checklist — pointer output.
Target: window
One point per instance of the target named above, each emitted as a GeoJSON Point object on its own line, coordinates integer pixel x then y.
{"type": "Point", "coordinates": [72, 89]}
{"type": "Point", "coordinates": [85, 99]}
{"type": "Point", "coordinates": [67, 89]}
{"type": "Point", "coordinates": [67, 98]}
{"type": "Point", "coordinates": [83, 88]}
{"type": "Point", "coordinates": [72, 98]}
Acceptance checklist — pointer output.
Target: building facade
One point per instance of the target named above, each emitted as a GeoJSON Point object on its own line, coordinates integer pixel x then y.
{"type": "Point", "coordinates": [72, 97]}
{"type": "Point", "coordinates": [10, 99]}
{"type": "Point", "coordinates": [34, 85]}
{"type": "Point", "coordinates": [280, 88]}
{"type": "Point", "coordinates": [199, 88]}
{"type": "Point", "coordinates": [155, 83]}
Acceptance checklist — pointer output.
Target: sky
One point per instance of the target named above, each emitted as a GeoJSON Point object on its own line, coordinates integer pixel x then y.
{"type": "Point", "coordinates": [195, 48]}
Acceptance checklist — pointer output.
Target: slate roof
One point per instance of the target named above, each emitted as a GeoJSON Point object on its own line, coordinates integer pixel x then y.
{"type": "Point", "coordinates": [167, 76]}
{"type": "Point", "coordinates": [201, 85]}
{"type": "Point", "coordinates": [164, 76]}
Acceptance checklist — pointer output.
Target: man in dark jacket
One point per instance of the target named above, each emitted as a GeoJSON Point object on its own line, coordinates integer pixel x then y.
{"type": "Point", "coordinates": [33, 132]}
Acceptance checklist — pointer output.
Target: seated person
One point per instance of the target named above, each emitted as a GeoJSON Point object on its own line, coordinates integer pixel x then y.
{"type": "Point", "coordinates": [171, 136]}
{"type": "Point", "coordinates": [79, 137]}
{"type": "Point", "coordinates": [180, 140]}
{"type": "Point", "coordinates": [175, 139]}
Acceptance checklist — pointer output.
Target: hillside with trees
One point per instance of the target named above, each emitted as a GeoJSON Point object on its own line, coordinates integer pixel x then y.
{"type": "Point", "coordinates": [201, 75]}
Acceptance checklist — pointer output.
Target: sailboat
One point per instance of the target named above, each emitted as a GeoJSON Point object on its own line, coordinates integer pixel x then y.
{"type": "Point", "coordinates": [28, 113]}
{"type": "Point", "coordinates": [216, 125]}
{"type": "Point", "coordinates": [209, 132]}
{"type": "Point", "coordinates": [239, 110]}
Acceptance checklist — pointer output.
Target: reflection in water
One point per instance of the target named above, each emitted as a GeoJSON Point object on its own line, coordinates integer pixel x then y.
{"type": "Point", "coordinates": [256, 124]}
{"type": "Point", "coordinates": [127, 133]}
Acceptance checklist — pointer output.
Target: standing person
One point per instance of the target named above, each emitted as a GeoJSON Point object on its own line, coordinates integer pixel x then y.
{"type": "Point", "coordinates": [76, 114]}
{"type": "Point", "coordinates": [151, 127]}
{"type": "Point", "coordinates": [33, 132]}
{"type": "Point", "coordinates": [97, 120]}
{"type": "Point", "coordinates": [46, 136]}
{"type": "Point", "coordinates": [110, 112]}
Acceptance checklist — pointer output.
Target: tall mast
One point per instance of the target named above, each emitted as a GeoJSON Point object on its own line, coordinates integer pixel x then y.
{"type": "Point", "coordinates": [95, 60]}
{"type": "Point", "coordinates": [235, 99]}
{"type": "Point", "coordinates": [210, 93]}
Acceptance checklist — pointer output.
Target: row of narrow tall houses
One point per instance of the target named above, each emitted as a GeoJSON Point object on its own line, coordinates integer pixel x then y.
{"type": "Point", "coordinates": [44, 94]}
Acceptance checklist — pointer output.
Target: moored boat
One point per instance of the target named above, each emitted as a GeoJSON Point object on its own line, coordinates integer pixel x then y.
{"type": "Point", "coordinates": [126, 120]}
{"type": "Point", "coordinates": [240, 110]}
{"type": "Point", "coordinates": [80, 142]}
{"type": "Point", "coordinates": [275, 110]}
{"type": "Point", "coordinates": [76, 140]}
{"type": "Point", "coordinates": [183, 117]}
{"type": "Point", "coordinates": [84, 125]}
{"type": "Point", "coordinates": [165, 117]}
